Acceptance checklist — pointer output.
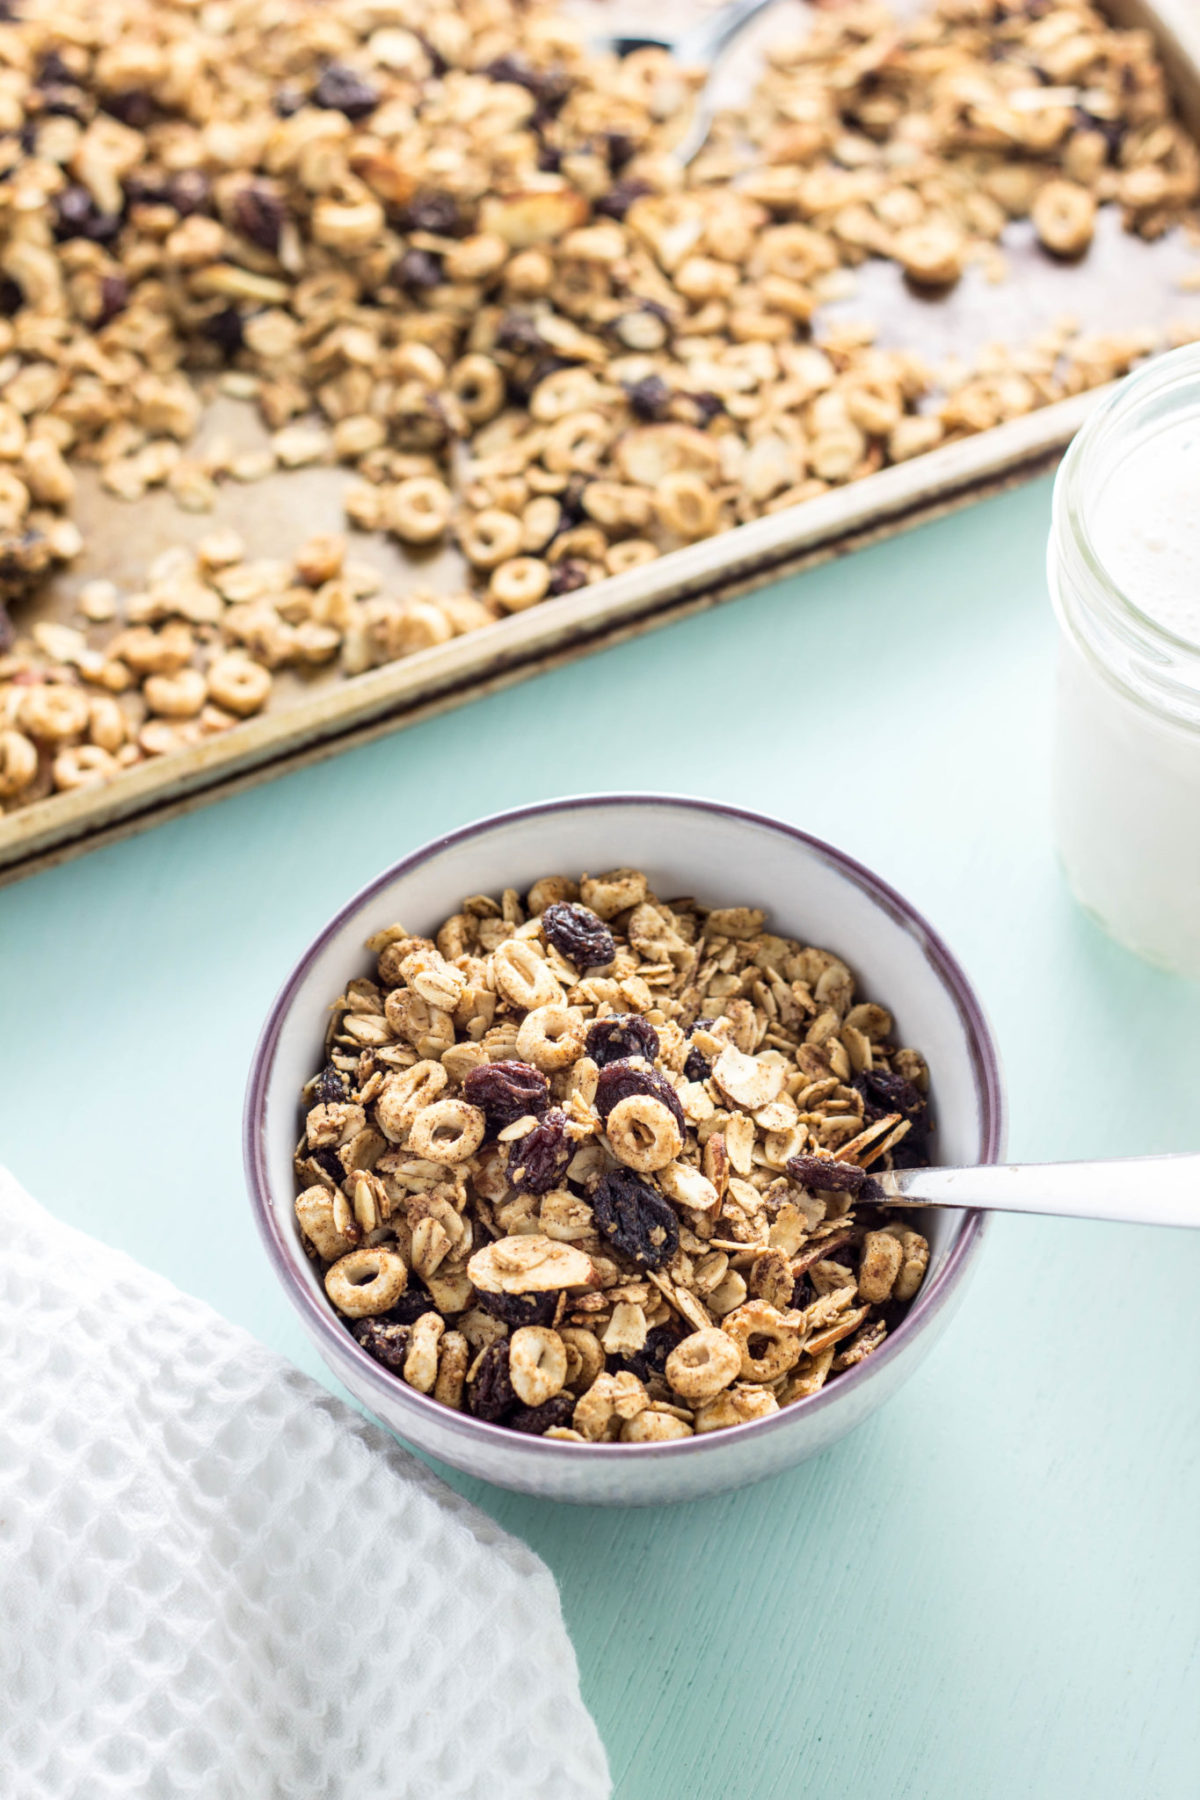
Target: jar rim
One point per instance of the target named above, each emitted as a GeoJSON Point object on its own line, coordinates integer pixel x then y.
{"type": "Point", "coordinates": [1070, 521]}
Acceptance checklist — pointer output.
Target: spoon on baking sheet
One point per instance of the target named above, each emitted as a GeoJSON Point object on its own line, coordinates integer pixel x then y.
{"type": "Point", "coordinates": [699, 46]}
{"type": "Point", "coordinates": [1134, 1190]}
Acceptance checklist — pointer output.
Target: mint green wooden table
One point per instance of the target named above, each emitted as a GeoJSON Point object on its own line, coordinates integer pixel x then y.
{"type": "Point", "coordinates": [991, 1591]}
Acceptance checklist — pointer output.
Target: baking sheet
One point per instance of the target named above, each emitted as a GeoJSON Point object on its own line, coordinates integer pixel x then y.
{"type": "Point", "coordinates": [1123, 284]}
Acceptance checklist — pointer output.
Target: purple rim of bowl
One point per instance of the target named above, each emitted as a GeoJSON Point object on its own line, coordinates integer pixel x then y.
{"type": "Point", "coordinates": [988, 1083]}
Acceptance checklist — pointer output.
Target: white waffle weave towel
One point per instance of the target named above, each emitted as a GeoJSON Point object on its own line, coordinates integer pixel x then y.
{"type": "Point", "coordinates": [218, 1581]}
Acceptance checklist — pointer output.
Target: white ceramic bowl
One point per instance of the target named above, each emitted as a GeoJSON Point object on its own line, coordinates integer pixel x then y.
{"type": "Point", "coordinates": [725, 857]}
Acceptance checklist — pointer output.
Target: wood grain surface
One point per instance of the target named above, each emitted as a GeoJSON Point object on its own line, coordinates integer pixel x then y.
{"type": "Point", "coordinates": [988, 1593]}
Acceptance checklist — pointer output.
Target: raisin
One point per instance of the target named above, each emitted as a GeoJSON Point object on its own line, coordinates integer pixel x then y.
{"type": "Point", "coordinates": [343, 90]}
{"type": "Point", "coordinates": [803, 1292]}
{"type": "Point", "coordinates": [520, 1309]}
{"type": "Point", "coordinates": [620, 197]}
{"type": "Point", "coordinates": [625, 1034]}
{"type": "Point", "coordinates": [620, 1079]}
{"type": "Point", "coordinates": [651, 1359]}
{"type": "Point", "coordinates": [518, 333]}
{"type": "Point", "coordinates": [820, 1174]}
{"type": "Point", "coordinates": [190, 191]}
{"type": "Point", "coordinates": [549, 160]}
{"type": "Point", "coordinates": [635, 1218]}
{"type": "Point", "coordinates": [437, 213]}
{"type": "Point", "coordinates": [649, 397]}
{"type": "Point", "coordinates": [417, 269]}
{"type": "Point", "coordinates": [506, 1092]}
{"type": "Point", "coordinates": [66, 102]}
{"type": "Point", "coordinates": [225, 330]}
{"type": "Point", "coordinates": [386, 1341]}
{"type": "Point", "coordinates": [330, 1086]}
{"type": "Point", "coordinates": [490, 1394]}
{"type": "Point", "coordinates": [568, 575]}
{"type": "Point", "coordinates": [260, 214]}
{"type": "Point", "coordinates": [883, 1093]}
{"type": "Point", "coordinates": [53, 72]}
{"type": "Point", "coordinates": [538, 1161]}
{"type": "Point", "coordinates": [114, 298]}
{"type": "Point", "coordinates": [328, 1159]}
{"type": "Point", "coordinates": [135, 107]}
{"type": "Point", "coordinates": [78, 216]}
{"type": "Point", "coordinates": [11, 297]}
{"type": "Point", "coordinates": [579, 935]}
{"type": "Point", "coordinates": [571, 500]}
{"type": "Point", "coordinates": [697, 1066]}
{"type": "Point", "coordinates": [534, 1420]}
{"type": "Point", "coordinates": [549, 87]}
{"type": "Point", "coordinates": [620, 149]}
{"type": "Point", "coordinates": [707, 407]}
{"type": "Point", "coordinates": [412, 1304]}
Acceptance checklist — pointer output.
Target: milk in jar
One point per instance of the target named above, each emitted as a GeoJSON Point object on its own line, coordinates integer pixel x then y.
{"type": "Point", "coordinates": [1124, 568]}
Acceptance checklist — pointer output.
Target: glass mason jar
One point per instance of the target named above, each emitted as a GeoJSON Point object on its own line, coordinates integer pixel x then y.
{"type": "Point", "coordinates": [1124, 570]}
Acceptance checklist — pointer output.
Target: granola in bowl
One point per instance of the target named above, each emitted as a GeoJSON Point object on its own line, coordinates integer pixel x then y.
{"type": "Point", "coordinates": [596, 1166]}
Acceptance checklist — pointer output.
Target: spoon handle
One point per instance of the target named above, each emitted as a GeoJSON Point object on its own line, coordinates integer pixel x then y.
{"type": "Point", "coordinates": [704, 41]}
{"type": "Point", "coordinates": [1138, 1190]}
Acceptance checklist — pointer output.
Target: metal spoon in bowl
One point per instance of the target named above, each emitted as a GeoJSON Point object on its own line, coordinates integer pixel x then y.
{"type": "Point", "coordinates": [1136, 1190]}
{"type": "Point", "coordinates": [700, 46]}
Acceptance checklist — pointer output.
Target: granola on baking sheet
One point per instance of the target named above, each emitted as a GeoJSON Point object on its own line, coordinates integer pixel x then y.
{"type": "Point", "coordinates": [596, 1166]}
{"type": "Point", "coordinates": [446, 247]}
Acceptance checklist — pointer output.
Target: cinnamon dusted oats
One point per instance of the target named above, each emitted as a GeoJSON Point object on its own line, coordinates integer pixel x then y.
{"type": "Point", "coordinates": [445, 245]}
{"type": "Point", "coordinates": [596, 1166]}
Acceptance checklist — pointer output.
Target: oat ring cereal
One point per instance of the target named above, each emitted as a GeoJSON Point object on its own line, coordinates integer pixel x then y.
{"type": "Point", "coordinates": [366, 1282]}
{"type": "Point", "coordinates": [596, 1165]}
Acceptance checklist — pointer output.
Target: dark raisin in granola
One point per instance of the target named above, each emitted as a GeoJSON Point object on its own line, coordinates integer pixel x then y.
{"type": "Point", "coordinates": [649, 397]}
{"type": "Point", "coordinates": [519, 1309]}
{"type": "Point", "coordinates": [490, 1393]}
{"type": "Point", "coordinates": [822, 1175]}
{"type": "Point", "coordinates": [518, 332]}
{"type": "Point", "coordinates": [417, 269]}
{"type": "Point", "coordinates": [535, 1420]}
{"type": "Point", "coordinates": [330, 1086]}
{"type": "Point", "coordinates": [620, 197]}
{"type": "Point", "coordinates": [433, 212]}
{"type": "Point", "coordinates": [190, 191]}
{"type": "Point", "coordinates": [260, 214]}
{"type": "Point", "coordinates": [618, 1080]}
{"type": "Point", "coordinates": [344, 90]}
{"type": "Point", "coordinates": [696, 1065]}
{"type": "Point", "coordinates": [134, 107]}
{"type": "Point", "coordinates": [568, 575]}
{"type": "Point", "coordinates": [883, 1093]}
{"type": "Point", "coordinates": [78, 216]}
{"type": "Point", "coordinates": [651, 1359]}
{"type": "Point", "coordinates": [538, 1161]}
{"type": "Point", "coordinates": [506, 1092]}
{"type": "Point", "coordinates": [224, 328]}
{"type": "Point", "coordinates": [385, 1340]}
{"type": "Point", "coordinates": [413, 1304]}
{"type": "Point", "coordinates": [328, 1159]}
{"type": "Point", "coordinates": [577, 933]}
{"type": "Point", "coordinates": [635, 1218]}
{"type": "Point", "coordinates": [114, 298]}
{"type": "Point", "coordinates": [625, 1034]}
{"type": "Point", "coordinates": [803, 1292]}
